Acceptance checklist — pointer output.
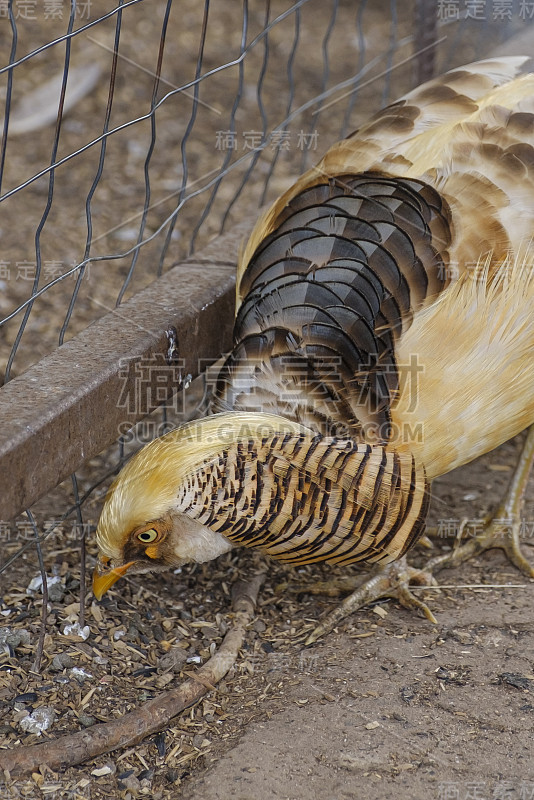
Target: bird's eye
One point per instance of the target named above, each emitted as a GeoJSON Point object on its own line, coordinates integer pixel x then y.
{"type": "Point", "coordinates": [148, 536]}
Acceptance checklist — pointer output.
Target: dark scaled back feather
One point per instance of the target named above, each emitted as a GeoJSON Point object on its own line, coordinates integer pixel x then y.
{"type": "Point", "coordinates": [326, 295]}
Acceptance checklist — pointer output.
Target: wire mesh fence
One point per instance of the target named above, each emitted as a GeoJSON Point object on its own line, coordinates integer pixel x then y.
{"type": "Point", "coordinates": [133, 136]}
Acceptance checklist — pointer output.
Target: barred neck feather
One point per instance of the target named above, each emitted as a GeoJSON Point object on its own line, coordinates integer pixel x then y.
{"type": "Point", "coordinates": [304, 498]}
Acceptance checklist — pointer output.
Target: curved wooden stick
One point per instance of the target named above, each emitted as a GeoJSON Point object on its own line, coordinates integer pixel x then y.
{"type": "Point", "coordinates": [153, 715]}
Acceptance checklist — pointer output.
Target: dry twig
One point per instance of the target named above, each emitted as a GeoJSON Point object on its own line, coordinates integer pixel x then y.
{"type": "Point", "coordinates": [152, 716]}
{"type": "Point", "coordinates": [44, 613]}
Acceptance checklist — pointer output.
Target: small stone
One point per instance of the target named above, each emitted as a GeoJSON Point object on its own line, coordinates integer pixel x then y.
{"type": "Point", "coordinates": [131, 783]}
{"type": "Point", "coordinates": [259, 626]}
{"type": "Point", "coordinates": [372, 725]}
{"type": "Point", "coordinates": [173, 660]}
{"type": "Point", "coordinates": [86, 720]}
{"type": "Point", "coordinates": [133, 633]}
{"type": "Point", "coordinates": [75, 629]}
{"type": "Point", "coordinates": [56, 590]}
{"type": "Point", "coordinates": [80, 674]}
{"type": "Point", "coordinates": [6, 729]}
{"type": "Point", "coordinates": [125, 774]}
{"type": "Point", "coordinates": [9, 638]}
{"type": "Point", "coordinates": [199, 741]}
{"type": "Point", "coordinates": [24, 636]}
{"type": "Point", "coordinates": [60, 662]}
{"type": "Point", "coordinates": [54, 585]}
{"type": "Point", "coordinates": [35, 585]}
{"type": "Point", "coordinates": [158, 632]}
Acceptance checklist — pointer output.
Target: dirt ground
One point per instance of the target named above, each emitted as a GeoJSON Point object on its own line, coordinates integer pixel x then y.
{"type": "Point", "coordinates": [413, 711]}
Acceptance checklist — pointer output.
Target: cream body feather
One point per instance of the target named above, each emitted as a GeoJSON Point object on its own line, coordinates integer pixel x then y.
{"type": "Point", "coordinates": [471, 384]}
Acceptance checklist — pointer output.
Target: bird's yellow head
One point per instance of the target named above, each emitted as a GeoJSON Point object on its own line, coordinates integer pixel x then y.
{"type": "Point", "coordinates": [144, 525]}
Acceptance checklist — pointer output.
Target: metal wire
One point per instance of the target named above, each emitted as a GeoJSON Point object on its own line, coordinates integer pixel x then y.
{"type": "Point", "coordinates": [60, 39]}
{"type": "Point", "coordinates": [291, 95]}
{"type": "Point", "coordinates": [264, 122]}
{"type": "Point", "coordinates": [50, 197]}
{"type": "Point", "coordinates": [232, 127]}
{"type": "Point", "coordinates": [9, 89]}
{"type": "Point", "coordinates": [96, 181]}
{"type": "Point", "coordinates": [356, 79]}
{"type": "Point", "coordinates": [360, 30]}
{"type": "Point", "coordinates": [324, 80]}
{"type": "Point", "coordinates": [146, 205]}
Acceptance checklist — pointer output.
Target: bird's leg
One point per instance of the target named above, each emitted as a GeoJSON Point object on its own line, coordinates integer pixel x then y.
{"type": "Point", "coordinates": [392, 580]}
{"type": "Point", "coordinates": [503, 528]}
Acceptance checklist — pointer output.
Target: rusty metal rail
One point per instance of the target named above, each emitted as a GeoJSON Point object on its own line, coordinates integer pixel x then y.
{"type": "Point", "coordinates": [65, 409]}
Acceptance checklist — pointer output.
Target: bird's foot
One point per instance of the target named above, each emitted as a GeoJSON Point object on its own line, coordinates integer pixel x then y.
{"type": "Point", "coordinates": [504, 529]}
{"type": "Point", "coordinates": [501, 531]}
{"type": "Point", "coordinates": [396, 579]}
{"type": "Point", "coordinates": [392, 580]}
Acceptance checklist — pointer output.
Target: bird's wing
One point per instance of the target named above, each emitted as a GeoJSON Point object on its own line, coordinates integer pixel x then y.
{"type": "Point", "coordinates": [407, 136]}
{"type": "Point", "coordinates": [469, 138]}
{"type": "Point", "coordinates": [481, 325]}
{"type": "Point", "coordinates": [327, 295]}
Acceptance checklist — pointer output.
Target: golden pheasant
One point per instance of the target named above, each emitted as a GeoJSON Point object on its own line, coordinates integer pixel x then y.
{"type": "Point", "coordinates": [383, 336]}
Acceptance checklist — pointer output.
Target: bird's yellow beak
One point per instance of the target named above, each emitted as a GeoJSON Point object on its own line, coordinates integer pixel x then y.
{"type": "Point", "coordinates": [104, 578]}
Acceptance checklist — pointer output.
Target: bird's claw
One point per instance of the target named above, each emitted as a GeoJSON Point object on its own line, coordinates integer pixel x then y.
{"type": "Point", "coordinates": [498, 533]}
{"type": "Point", "coordinates": [390, 581]}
